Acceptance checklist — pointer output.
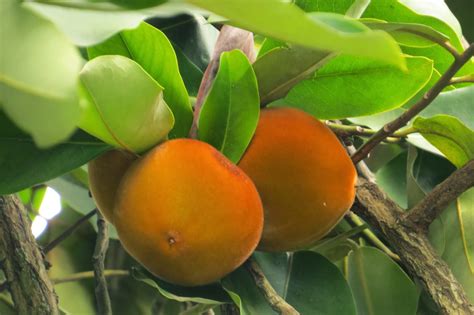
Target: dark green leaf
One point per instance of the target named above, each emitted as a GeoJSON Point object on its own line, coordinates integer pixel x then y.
{"type": "Point", "coordinates": [379, 285]}
{"type": "Point", "coordinates": [391, 178]}
{"type": "Point", "coordinates": [150, 48]}
{"type": "Point", "coordinates": [22, 164]}
{"type": "Point", "coordinates": [229, 115]}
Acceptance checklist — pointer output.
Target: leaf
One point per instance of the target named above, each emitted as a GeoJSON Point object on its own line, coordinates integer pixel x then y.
{"type": "Point", "coordinates": [391, 178]}
{"type": "Point", "coordinates": [316, 286]}
{"type": "Point", "coordinates": [150, 48]}
{"type": "Point", "coordinates": [298, 28]}
{"type": "Point", "coordinates": [276, 268]}
{"type": "Point", "coordinates": [209, 294]}
{"type": "Point", "coordinates": [379, 285]}
{"type": "Point", "coordinates": [193, 39]}
{"type": "Point", "coordinates": [116, 88]}
{"type": "Point", "coordinates": [229, 115]}
{"type": "Point", "coordinates": [23, 165]}
{"type": "Point", "coordinates": [409, 34]}
{"type": "Point", "coordinates": [349, 87]}
{"type": "Point", "coordinates": [449, 135]}
{"type": "Point", "coordinates": [40, 97]}
{"type": "Point", "coordinates": [86, 26]}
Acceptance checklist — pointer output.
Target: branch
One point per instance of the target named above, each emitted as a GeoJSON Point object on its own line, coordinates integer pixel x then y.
{"type": "Point", "coordinates": [22, 261]}
{"type": "Point", "coordinates": [98, 258]}
{"type": "Point", "coordinates": [441, 196]}
{"type": "Point", "coordinates": [403, 119]}
{"type": "Point", "coordinates": [89, 275]}
{"type": "Point", "coordinates": [68, 232]}
{"type": "Point", "coordinates": [272, 297]}
{"type": "Point", "coordinates": [354, 130]}
{"type": "Point", "coordinates": [464, 79]}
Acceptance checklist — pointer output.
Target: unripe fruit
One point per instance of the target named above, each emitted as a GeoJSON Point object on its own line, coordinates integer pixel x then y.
{"type": "Point", "coordinates": [105, 174]}
{"type": "Point", "coordinates": [187, 213]}
{"type": "Point", "coordinates": [305, 178]}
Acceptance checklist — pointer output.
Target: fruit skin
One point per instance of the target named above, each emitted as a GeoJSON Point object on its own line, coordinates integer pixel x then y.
{"type": "Point", "coordinates": [305, 178]}
{"type": "Point", "coordinates": [187, 213]}
{"type": "Point", "coordinates": [105, 174]}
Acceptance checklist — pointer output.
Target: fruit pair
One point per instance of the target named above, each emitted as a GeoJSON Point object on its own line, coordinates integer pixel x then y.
{"type": "Point", "coordinates": [190, 216]}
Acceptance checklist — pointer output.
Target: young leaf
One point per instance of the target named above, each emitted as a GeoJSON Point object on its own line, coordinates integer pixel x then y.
{"type": "Point", "coordinates": [150, 48]}
{"type": "Point", "coordinates": [349, 87]}
{"type": "Point", "coordinates": [123, 105]}
{"type": "Point", "coordinates": [40, 97]}
{"type": "Point", "coordinates": [296, 27]}
{"type": "Point", "coordinates": [316, 286]}
{"type": "Point", "coordinates": [369, 273]}
{"type": "Point", "coordinates": [449, 135]}
{"type": "Point", "coordinates": [23, 165]}
{"type": "Point", "coordinates": [229, 115]}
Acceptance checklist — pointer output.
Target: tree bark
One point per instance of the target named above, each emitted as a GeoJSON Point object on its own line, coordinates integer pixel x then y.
{"type": "Point", "coordinates": [27, 279]}
{"type": "Point", "coordinates": [413, 247]}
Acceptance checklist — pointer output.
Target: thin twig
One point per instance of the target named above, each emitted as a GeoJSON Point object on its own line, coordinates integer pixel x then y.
{"type": "Point", "coordinates": [441, 196]}
{"type": "Point", "coordinates": [443, 43]}
{"type": "Point", "coordinates": [102, 243]}
{"type": "Point", "coordinates": [68, 232]}
{"type": "Point", "coordinates": [89, 275]}
{"type": "Point", "coordinates": [464, 79]}
{"type": "Point", "coordinates": [272, 297]}
{"type": "Point", "coordinates": [355, 130]}
{"type": "Point", "coordinates": [403, 119]}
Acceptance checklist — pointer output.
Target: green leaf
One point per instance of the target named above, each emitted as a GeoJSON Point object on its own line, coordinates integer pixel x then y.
{"type": "Point", "coordinates": [123, 105]}
{"type": "Point", "coordinates": [211, 294]}
{"type": "Point", "coordinates": [391, 178]}
{"type": "Point", "coordinates": [6, 306]}
{"type": "Point", "coordinates": [349, 87]}
{"type": "Point", "coordinates": [449, 135]}
{"type": "Point", "coordinates": [294, 26]}
{"type": "Point", "coordinates": [229, 115]}
{"type": "Point", "coordinates": [409, 34]}
{"type": "Point", "coordinates": [38, 75]}
{"type": "Point", "coordinates": [316, 286]}
{"type": "Point", "coordinates": [150, 48]}
{"type": "Point", "coordinates": [86, 26]}
{"type": "Point", "coordinates": [23, 165]}
{"type": "Point", "coordinates": [276, 268]}
{"type": "Point", "coordinates": [193, 39]}
{"type": "Point", "coordinates": [379, 285]}
{"type": "Point", "coordinates": [295, 64]}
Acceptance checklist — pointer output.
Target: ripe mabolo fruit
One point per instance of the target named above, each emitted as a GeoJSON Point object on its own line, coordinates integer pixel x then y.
{"type": "Point", "coordinates": [303, 174]}
{"type": "Point", "coordinates": [105, 173]}
{"type": "Point", "coordinates": [187, 213]}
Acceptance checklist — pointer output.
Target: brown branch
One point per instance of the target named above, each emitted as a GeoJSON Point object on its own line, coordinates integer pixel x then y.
{"type": "Point", "coordinates": [26, 275]}
{"type": "Point", "coordinates": [403, 119]}
{"type": "Point", "coordinates": [229, 38]}
{"type": "Point", "coordinates": [89, 275]}
{"type": "Point", "coordinates": [272, 297]}
{"type": "Point", "coordinates": [102, 243]}
{"type": "Point", "coordinates": [68, 232]}
{"type": "Point", "coordinates": [441, 196]}
{"type": "Point", "coordinates": [413, 247]}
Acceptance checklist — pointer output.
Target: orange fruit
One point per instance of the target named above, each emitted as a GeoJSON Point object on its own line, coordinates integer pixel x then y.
{"type": "Point", "coordinates": [187, 213]}
{"type": "Point", "coordinates": [305, 178]}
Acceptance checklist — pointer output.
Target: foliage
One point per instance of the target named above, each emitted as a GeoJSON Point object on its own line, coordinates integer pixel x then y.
{"type": "Point", "coordinates": [79, 78]}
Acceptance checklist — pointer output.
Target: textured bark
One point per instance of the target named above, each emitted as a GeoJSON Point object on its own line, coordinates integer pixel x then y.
{"type": "Point", "coordinates": [413, 247]}
{"type": "Point", "coordinates": [30, 287]}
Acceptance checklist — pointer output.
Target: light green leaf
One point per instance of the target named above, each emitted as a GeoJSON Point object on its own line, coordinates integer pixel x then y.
{"type": "Point", "coordinates": [123, 105]}
{"type": "Point", "coordinates": [379, 285]}
{"type": "Point", "coordinates": [23, 165]}
{"type": "Point", "coordinates": [349, 87]}
{"type": "Point", "coordinates": [210, 294]}
{"type": "Point", "coordinates": [449, 135]}
{"type": "Point", "coordinates": [296, 27]}
{"type": "Point", "coordinates": [150, 48]}
{"type": "Point", "coordinates": [229, 115]}
{"type": "Point", "coordinates": [38, 75]}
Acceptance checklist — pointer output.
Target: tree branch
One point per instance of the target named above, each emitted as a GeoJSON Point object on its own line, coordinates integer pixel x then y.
{"type": "Point", "coordinates": [26, 275]}
{"type": "Point", "coordinates": [98, 258]}
{"type": "Point", "coordinates": [272, 297]}
{"type": "Point", "coordinates": [89, 275]}
{"type": "Point", "coordinates": [403, 119]}
{"type": "Point", "coordinates": [441, 196]}
{"type": "Point", "coordinates": [464, 79]}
